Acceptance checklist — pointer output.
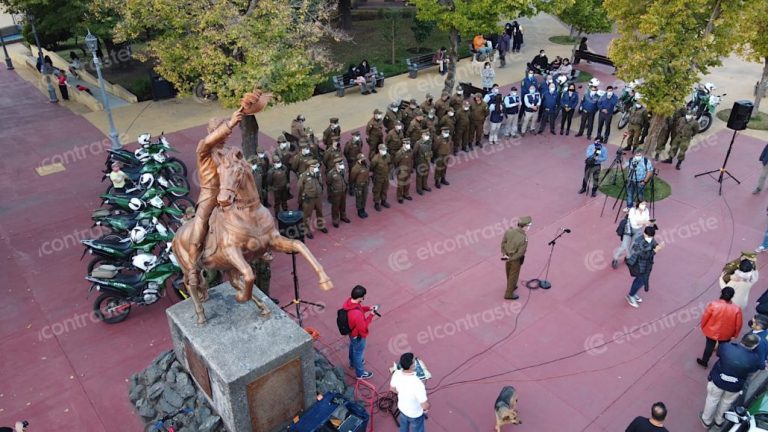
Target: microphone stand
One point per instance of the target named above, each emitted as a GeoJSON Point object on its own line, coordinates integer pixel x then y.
{"type": "Point", "coordinates": [544, 283]}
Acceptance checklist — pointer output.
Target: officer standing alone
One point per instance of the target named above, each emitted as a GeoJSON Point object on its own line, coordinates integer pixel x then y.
{"type": "Point", "coordinates": [513, 247]}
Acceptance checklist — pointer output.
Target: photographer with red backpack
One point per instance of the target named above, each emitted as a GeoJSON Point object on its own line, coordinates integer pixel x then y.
{"type": "Point", "coordinates": [353, 320]}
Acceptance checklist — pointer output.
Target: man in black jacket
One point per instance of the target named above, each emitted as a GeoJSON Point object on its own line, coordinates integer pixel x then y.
{"type": "Point", "coordinates": [764, 174]}
{"type": "Point", "coordinates": [640, 263]}
{"type": "Point", "coordinates": [727, 377]}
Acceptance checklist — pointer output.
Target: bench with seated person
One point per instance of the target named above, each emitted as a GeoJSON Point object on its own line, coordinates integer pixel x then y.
{"type": "Point", "coordinates": [439, 58]}
{"type": "Point", "coordinates": [363, 76]}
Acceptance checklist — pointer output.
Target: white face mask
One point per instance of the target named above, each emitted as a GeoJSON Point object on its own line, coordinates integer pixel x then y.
{"type": "Point", "coordinates": [425, 137]}
{"type": "Point", "coordinates": [340, 167]}
{"type": "Point", "coordinates": [637, 105]}
{"type": "Point", "coordinates": [446, 134]}
{"type": "Point", "coordinates": [637, 158]}
{"type": "Point", "coordinates": [407, 146]}
{"type": "Point", "coordinates": [514, 94]}
{"type": "Point", "coordinates": [593, 92]}
{"type": "Point", "coordinates": [648, 239]}
{"type": "Point", "coordinates": [466, 108]}
{"type": "Point", "coordinates": [394, 109]}
{"type": "Point", "coordinates": [689, 117]}
{"type": "Point", "coordinates": [383, 152]}
{"type": "Point", "coordinates": [495, 91]}
{"type": "Point", "coordinates": [487, 66]}
{"type": "Point", "coordinates": [570, 90]}
{"type": "Point", "coordinates": [532, 90]}
{"type": "Point", "coordinates": [278, 164]}
{"type": "Point", "coordinates": [609, 94]}
{"type": "Point", "coordinates": [450, 114]}
{"type": "Point", "coordinates": [530, 75]}
{"type": "Point", "coordinates": [431, 115]}
{"type": "Point", "coordinates": [398, 128]}
{"type": "Point", "coordinates": [378, 116]}
{"type": "Point", "coordinates": [551, 88]}
{"type": "Point", "coordinates": [255, 167]}
{"type": "Point", "coordinates": [642, 207]}
{"type": "Point", "coordinates": [355, 138]}
{"type": "Point", "coordinates": [261, 155]}
{"type": "Point", "coordinates": [305, 151]}
{"type": "Point", "coordinates": [316, 170]}
{"type": "Point", "coordinates": [335, 126]}
{"type": "Point", "coordinates": [283, 145]}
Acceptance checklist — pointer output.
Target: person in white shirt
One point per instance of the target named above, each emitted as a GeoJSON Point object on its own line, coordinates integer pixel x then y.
{"type": "Point", "coordinates": [639, 217]}
{"type": "Point", "coordinates": [411, 395]}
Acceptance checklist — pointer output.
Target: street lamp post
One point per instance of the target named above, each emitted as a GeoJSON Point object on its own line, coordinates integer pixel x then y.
{"type": "Point", "coordinates": [8, 62]}
{"type": "Point", "coordinates": [92, 43]}
{"type": "Point", "coordinates": [44, 69]}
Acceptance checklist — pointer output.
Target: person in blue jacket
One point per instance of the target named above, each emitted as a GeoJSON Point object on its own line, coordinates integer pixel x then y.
{"type": "Point", "coordinates": [528, 81]}
{"type": "Point", "coordinates": [727, 377]}
{"type": "Point", "coordinates": [588, 109]}
{"type": "Point", "coordinates": [550, 100]}
{"type": "Point", "coordinates": [569, 100]}
{"type": "Point", "coordinates": [596, 155]}
{"type": "Point", "coordinates": [605, 106]}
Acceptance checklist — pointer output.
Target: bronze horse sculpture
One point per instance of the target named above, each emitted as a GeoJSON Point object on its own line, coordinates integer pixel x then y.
{"type": "Point", "coordinates": [240, 230]}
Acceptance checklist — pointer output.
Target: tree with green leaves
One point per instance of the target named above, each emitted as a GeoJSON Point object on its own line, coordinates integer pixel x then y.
{"type": "Point", "coordinates": [670, 44]}
{"type": "Point", "coordinates": [586, 16]}
{"type": "Point", "coordinates": [471, 17]}
{"type": "Point", "coordinates": [55, 20]}
{"type": "Point", "coordinates": [754, 43]}
{"type": "Point", "coordinates": [421, 31]}
{"type": "Point", "coordinates": [234, 45]}
{"type": "Point", "coordinates": [392, 17]}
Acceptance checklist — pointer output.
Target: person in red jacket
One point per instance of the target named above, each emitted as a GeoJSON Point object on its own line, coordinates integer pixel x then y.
{"type": "Point", "coordinates": [359, 317]}
{"type": "Point", "coordinates": [721, 322]}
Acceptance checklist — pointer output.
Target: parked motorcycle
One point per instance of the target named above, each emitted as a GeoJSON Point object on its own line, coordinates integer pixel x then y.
{"type": "Point", "coordinates": [703, 104]}
{"type": "Point", "coordinates": [121, 291]}
{"type": "Point", "coordinates": [627, 96]}
{"type": "Point", "coordinates": [741, 420]}
{"type": "Point", "coordinates": [120, 252]}
{"type": "Point", "coordinates": [163, 203]}
{"type": "Point", "coordinates": [146, 152]}
{"type": "Point", "coordinates": [176, 185]}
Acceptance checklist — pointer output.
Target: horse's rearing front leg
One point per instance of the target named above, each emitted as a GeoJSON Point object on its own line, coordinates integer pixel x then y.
{"type": "Point", "coordinates": [245, 288]}
{"type": "Point", "coordinates": [286, 245]}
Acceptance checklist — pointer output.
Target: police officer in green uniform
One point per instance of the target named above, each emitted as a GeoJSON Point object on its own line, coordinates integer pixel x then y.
{"type": "Point", "coordinates": [310, 196]}
{"type": "Point", "coordinates": [337, 191]}
{"type": "Point", "coordinates": [638, 119]}
{"type": "Point", "coordinates": [262, 272]}
{"type": "Point", "coordinates": [360, 179]}
{"type": "Point", "coordinates": [461, 136]}
{"type": "Point", "coordinates": [277, 183]}
{"type": "Point", "coordinates": [685, 129]}
{"type": "Point", "coordinates": [258, 178]}
{"type": "Point", "coordinates": [403, 161]}
{"type": "Point", "coordinates": [352, 148]}
{"type": "Point", "coordinates": [380, 165]}
{"type": "Point", "coordinates": [374, 130]}
{"type": "Point", "coordinates": [513, 247]}
{"type": "Point", "coordinates": [442, 149]}
{"type": "Point", "coordinates": [423, 157]}
{"type": "Point", "coordinates": [394, 139]}
{"type": "Point", "coordinates": [333, 130]}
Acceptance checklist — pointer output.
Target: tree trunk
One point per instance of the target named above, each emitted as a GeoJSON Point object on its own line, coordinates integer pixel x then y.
{"type": "Point", "coordinates": [570, 32]}
{"type": "Point", "coordinates": [652, 139]}
{"type": "Point", "coordinates": [345, 14]}
{"type": "Point", "coordinates": [249, 128]}
{"type": "Point", "coordinates": [453, 57]}
{"type": "Point", "coordinates": [761, 88]}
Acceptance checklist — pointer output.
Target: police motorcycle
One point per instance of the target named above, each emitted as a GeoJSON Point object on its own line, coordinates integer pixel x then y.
{"type": "Point", "coordinates": [703, 104]}
{"type": "Point", "coordinates": [133, 161]}
{"type": "Point", "coordinates": [121, 290]}
{"type": "Point", "coordinates": [114, 250]}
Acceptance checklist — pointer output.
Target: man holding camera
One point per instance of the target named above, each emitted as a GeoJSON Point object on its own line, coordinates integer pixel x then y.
{"type": "Point", "coordinates": [513, 247]}
{"type": "Point", "coordinates": [596, 155]}
{"type": "Point", "coordinates": [411, 395]}
{"type": "Point", "coordinates": [640, 173]}
{"type": "Point", "coordinates": [359, 318]}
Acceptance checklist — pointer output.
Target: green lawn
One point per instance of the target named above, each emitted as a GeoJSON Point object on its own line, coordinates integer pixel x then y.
{"type": "Point", "coordinates": [562, 40]}
{"type": "Point", "coordinates": [661, 188]}
{"type": "Point", "coordinates": [584, 77]}
{"type": "Point", "coordinates": [758, 122]}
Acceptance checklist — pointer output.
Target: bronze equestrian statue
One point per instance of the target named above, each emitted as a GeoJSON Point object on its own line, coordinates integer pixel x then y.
{"type": "Point", "coordinates": [230, 227]}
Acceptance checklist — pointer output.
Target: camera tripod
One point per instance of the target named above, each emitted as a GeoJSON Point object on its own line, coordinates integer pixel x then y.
{"type": "Point", "coordinates": [631, 176]}
{"type": "Point", "coordinates": [296, 298]}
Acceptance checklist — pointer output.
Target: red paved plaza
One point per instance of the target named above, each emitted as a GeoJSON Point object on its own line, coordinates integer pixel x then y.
{"type": "Point", "coordinates": [433, 265]}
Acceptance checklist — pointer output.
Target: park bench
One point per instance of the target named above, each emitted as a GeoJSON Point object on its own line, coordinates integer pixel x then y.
{"type": "Point", "coordinates": [590, 56]}
{"type": "Point", "coordinates": [342, 82]}
{"type": "Point", "coordinates": [469, 89]}
{"type": "Point", "coordinates": [415, 64]}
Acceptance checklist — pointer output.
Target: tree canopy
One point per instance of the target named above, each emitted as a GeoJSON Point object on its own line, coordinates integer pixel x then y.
{"type": "Point", "coordinates": [586, 16]}
{"type": "Point", "coordinates": [233, 45]}
{"type": "Point", "coordinates": [470, 17]}
{"type": "Point", "coordinates": [753, 43]}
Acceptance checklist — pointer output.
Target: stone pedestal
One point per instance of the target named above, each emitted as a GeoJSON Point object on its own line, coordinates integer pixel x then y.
{"type": "Point", "coordinates": [257, 372]}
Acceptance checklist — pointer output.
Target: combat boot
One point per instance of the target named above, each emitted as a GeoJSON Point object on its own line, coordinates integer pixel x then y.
{"type": "Point", "coordinates": [677, 166]}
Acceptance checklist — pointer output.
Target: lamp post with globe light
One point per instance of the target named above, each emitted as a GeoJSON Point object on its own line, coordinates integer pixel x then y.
{"type": "Point", "coordinates": [93, 45]}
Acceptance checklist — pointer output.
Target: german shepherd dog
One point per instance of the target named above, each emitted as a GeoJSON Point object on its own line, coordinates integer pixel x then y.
{"type": "Point", "coordinates": [506, 408]}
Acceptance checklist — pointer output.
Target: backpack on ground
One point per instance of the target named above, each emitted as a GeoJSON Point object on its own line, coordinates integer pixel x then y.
{"type": "Point", "coordinates": [342, 322]}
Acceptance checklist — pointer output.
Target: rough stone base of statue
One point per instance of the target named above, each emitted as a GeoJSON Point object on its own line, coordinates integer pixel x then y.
{"type": "Point", "coordinates": [258, 372]}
